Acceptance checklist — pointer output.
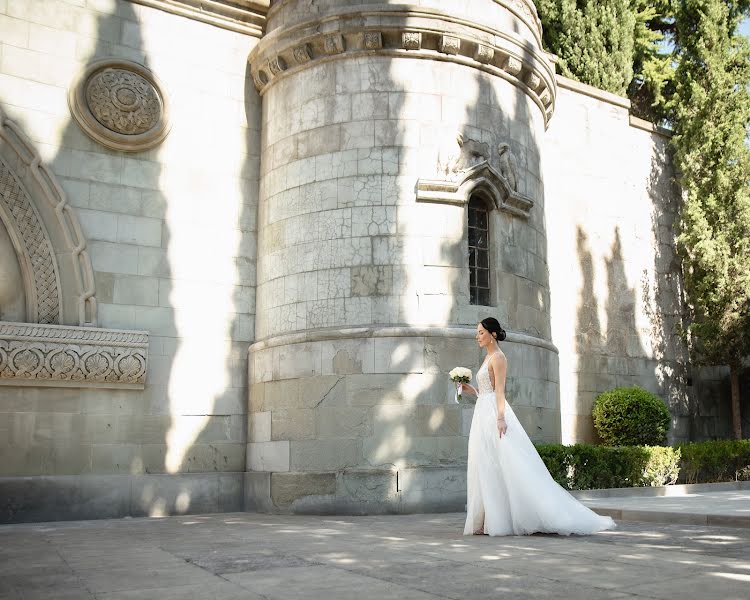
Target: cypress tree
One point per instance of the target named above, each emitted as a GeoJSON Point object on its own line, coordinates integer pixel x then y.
{"type": "Point", "coordinates": [593, 39]}
{"type": "Point", "coordinates": [711, 109]}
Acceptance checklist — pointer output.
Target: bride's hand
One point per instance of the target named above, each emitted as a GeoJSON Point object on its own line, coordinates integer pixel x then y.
{"type": "Point", "coordinates": [468, 389]}
{"type": "Point", "coordinates": [502, 426]}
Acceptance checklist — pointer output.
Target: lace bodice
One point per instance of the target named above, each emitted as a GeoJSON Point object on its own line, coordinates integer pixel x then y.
{"type": "Point", "coordinates": [483, 379]}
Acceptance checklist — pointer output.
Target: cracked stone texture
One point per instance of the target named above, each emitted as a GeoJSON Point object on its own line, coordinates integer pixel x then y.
{"type": "Point", "coordinates": [247, 556]}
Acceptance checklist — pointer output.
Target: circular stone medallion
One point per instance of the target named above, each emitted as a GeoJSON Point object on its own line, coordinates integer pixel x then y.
{"type": "Point", "coordinates": [121, 105]}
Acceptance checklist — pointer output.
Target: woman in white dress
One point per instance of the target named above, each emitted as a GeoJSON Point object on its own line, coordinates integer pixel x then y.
{"type": "Point", "coordinates": [509, 489]}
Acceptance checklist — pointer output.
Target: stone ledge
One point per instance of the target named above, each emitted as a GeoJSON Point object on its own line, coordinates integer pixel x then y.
{"type": "Point", "coordinates": [241, 16]}
{"type": "Point", "coordinates": [665, 490]}
{"type": "Point", "coordinates": [594, 92]}
{"type": "Point", "coordinates": [69, 356]}
{"type": "Point", "coordinates": [336, 333]}
{"type": "Point", "coordinates": [76, 497]}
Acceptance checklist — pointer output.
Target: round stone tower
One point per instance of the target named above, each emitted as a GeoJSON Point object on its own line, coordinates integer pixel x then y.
{"type": "Point", "coordinates": [401, 202]}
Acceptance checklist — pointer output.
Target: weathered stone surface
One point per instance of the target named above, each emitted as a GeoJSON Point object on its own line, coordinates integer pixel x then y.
{"type": "Point", "coordinates": [288, 487]}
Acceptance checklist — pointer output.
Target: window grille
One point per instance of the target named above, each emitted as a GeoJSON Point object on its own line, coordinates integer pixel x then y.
{"type": "Point", "coordinates": [479, 252]}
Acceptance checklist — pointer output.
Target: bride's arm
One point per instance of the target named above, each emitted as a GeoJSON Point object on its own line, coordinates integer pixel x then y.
{"type": "Point", "coordinates": [499, 366]}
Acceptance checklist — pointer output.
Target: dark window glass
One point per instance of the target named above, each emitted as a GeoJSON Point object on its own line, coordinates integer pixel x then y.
{"type": "Point", "coordinates": [479, 252]}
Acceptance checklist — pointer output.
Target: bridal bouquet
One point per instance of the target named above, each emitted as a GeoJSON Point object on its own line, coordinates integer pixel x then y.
{"type": "Point", "coordinates": [460, 375]}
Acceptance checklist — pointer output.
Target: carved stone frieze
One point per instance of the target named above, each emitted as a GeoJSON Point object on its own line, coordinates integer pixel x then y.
{"type": "Point", "coordinates": [474, 166]}
{"type": "Point", "coordinates": [121, 105]}
{"type": "Point", "coordinates": [389, 30]}
{"type": "Point", "coordinates": [55, 355]}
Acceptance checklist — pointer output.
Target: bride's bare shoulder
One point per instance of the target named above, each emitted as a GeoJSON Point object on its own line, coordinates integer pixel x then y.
{"type": "Point", "coordinates": [499, 360]}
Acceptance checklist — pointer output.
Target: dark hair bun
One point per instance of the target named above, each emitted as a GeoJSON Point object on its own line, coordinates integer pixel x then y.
{"type": "Point", "coordinates": [492, 325]}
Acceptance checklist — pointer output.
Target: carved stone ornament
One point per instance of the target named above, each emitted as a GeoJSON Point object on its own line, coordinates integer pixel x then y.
{"type": "Point", "coordinates": [121, 105]}
{"type": "Point", "coordinates": [334, 44]}
{"type": "Point", "coordinates": [302, 54]}
{"type": "Point", "coordinates": [484, 54]}
{"type": "Point", "coordinates": [512, 65]}
{"type": "Point", "coordinates": [475, 166]}
{"type": "Point", "coordinates": [411, 40]}
{"type": "Point", "coordinates": [60, 356]}
{"type": "Point", "coordinates": [450, 44]}
{"type": "Point", "coordinates": [372, 40]}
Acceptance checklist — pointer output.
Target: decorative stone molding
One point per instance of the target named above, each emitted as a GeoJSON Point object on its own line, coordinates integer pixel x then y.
{"type": "Point", "coordinates": [36, 253]}
{"type": "Point", "coordinates": [27, 235]}
{"type": "Point", "coordinates": [404, 30]}
{"type": "Point", "coordinates": [339, 333]}
{"type": "Point", "coordinates": [476, 168]}
{"type": "Point", "coordinates": [242, 16]}
{"type": "Point", "coordinates": [121, 105]}
{"type": "Point", "coordinates": [60, 356]}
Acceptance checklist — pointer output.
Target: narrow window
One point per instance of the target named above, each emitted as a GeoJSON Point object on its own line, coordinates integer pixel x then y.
{"type": "Point", "coordinates": [479, 252]}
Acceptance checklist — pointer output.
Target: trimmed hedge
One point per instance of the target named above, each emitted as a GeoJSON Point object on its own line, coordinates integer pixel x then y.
{"type": "Point", "coordinates": [719, 460]}
{"type": "Point", "coordinates": [630, 416]}
{"type": "Point", "coordinates": [585, 466]}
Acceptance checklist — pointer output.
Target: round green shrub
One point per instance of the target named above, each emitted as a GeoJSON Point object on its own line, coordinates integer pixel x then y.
{"type": "Point", "coordinates": [631, 416]}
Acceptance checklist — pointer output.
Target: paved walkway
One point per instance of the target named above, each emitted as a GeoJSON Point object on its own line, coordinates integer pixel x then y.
{"type": "Point", "coordinates": [420, 557]}
{"type": "Point", "coordinates": [726, 508]}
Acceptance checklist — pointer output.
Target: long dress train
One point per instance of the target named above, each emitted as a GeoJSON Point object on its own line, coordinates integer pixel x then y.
{"type": "Point", "coordinates": [509, 489]}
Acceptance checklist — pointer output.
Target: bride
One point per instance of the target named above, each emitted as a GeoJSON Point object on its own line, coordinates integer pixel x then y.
{"type": "Point", "coordinates": [509, 490]}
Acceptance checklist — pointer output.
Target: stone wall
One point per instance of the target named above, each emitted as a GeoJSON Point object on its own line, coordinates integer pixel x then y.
{"type": "Point", "coordinates": [614, 277]}
{"type": "Point", "coordinates": [171, 235]}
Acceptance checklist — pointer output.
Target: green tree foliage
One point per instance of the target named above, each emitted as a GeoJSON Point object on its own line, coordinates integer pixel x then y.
{"type": "Point", "coordinates": [593, 39]}
{"type": "Point", "coordinates": [630, 416]}
{"type": "Point", "coordinates": [711, 109]}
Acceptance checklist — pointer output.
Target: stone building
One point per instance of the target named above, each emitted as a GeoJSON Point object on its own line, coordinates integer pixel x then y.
{"type": "Point", "coordinates": [241, 246]}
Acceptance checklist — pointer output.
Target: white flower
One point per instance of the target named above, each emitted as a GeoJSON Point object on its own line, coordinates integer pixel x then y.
{"type": "Point", "coordinates": [460, 374]}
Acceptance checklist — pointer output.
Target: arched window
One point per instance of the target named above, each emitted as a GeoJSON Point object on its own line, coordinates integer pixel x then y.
{"type": "Point", "coordinates": [479, 251]}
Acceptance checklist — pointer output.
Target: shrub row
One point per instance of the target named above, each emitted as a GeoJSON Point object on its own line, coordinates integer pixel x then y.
{"type": "Point", "coordinates": [720, 460]}
{"type": "Point", "coordinates": [586, 466]}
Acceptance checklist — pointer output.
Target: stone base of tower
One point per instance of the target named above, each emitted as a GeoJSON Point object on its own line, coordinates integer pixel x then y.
{"type": "Point", "coordinates": [358, 492]}
{"type": "Point", "coordinates": [365, 420]}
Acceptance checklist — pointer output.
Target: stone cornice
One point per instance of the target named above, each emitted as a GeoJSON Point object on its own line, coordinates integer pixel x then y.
{"type": "Point", "coordinates": [407, 32]}
{"type": "Point", "coordinates": [67, 356]}
{"type": "Point", "coordinates": [242, 16]}
{"type": "Point", "coordinates": [339, 333]}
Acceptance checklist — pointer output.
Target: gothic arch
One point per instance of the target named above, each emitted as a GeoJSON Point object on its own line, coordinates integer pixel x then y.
{"type": "Point", "coordinates": [55, 264]}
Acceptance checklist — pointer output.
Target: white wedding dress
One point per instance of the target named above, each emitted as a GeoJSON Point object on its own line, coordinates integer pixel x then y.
{"type": "Point", "coordinates": [509, 489]}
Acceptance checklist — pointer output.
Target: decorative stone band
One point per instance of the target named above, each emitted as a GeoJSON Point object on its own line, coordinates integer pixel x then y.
{"type": "Point", "coordinates": [340, 333]}
{"type": "Point", "coordinates": [483, 176]}
{"type": "Point", "coordinates": [411, 32]}
{"type": "Point", "coordinates": [242, 16]}
{"type": "Point", "coordinates": [67, 221]}
{"type": "Point", "coordinates": [65, 356]}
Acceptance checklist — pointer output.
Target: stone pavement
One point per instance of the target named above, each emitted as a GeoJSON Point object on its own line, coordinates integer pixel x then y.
{"type": "Point", "coordinates": [253, 556]}
{"type": "Point", "coordinates": [688, 505]}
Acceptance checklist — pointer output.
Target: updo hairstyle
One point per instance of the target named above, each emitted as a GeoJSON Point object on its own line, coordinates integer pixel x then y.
{"type": "Point", "coordinates": [492, 325]}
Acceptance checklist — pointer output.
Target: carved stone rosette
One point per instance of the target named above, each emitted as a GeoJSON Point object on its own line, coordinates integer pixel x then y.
{"type": "Point", "coordinates": [426, 33]}
{"type": "Point", "coordinates": [61, 356]}
{"type": "Point", "coordinates": [121, 105]}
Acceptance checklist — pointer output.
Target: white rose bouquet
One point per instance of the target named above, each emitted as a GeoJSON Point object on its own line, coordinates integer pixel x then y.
{"type": "Point", "coordinates": [459, 376]}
